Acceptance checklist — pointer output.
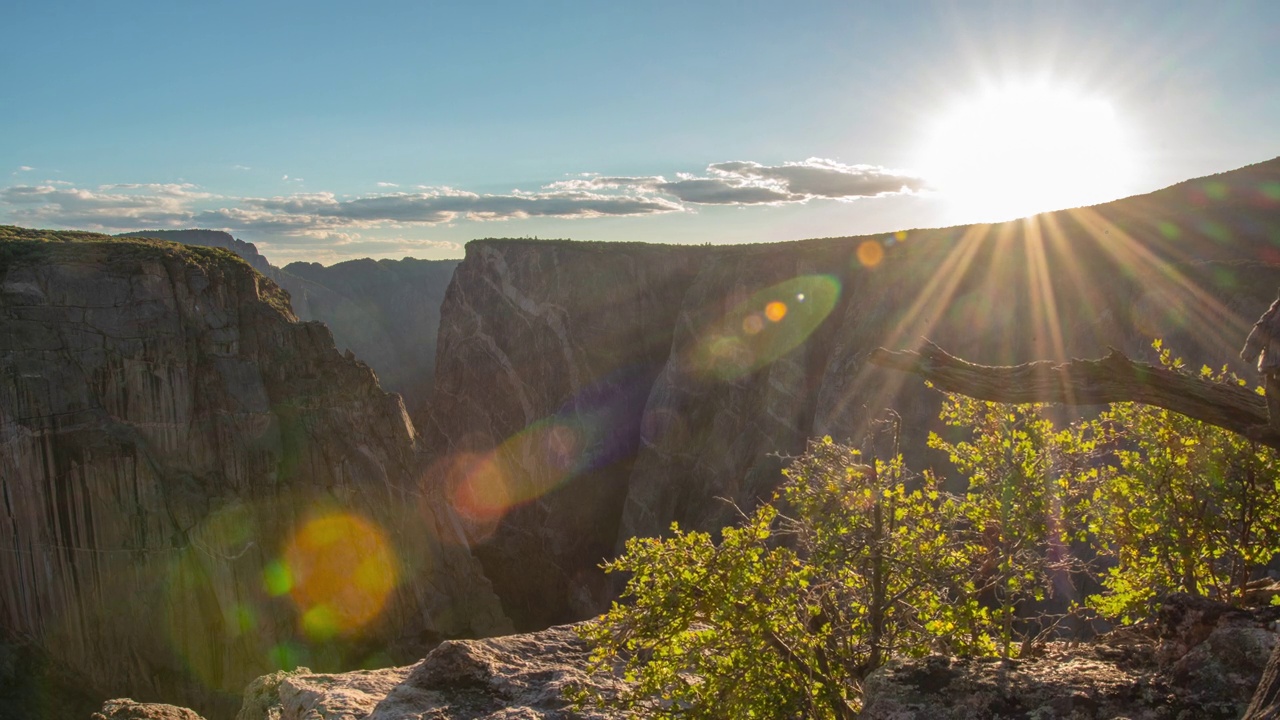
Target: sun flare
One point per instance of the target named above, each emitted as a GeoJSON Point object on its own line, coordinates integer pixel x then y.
{"type": "Point", "coordinates": [1023, 149]}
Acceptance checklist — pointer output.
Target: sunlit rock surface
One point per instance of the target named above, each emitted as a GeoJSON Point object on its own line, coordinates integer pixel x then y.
{"type": "Point", "coordinates": [198, 489]}
{"type": "Point", "coordinates": [588, 392]}
{"type": "Point", "coordinates": [517, 676]}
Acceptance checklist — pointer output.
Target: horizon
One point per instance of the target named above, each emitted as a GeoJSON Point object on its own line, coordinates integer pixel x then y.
{"type": "Point", "coordinates": [408, 130]}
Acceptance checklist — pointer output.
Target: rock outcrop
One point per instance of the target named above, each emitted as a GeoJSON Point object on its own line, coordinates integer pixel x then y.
{"type": "Point", "coordinates": [197, 488]}
{"type": "Point", "coordinates": [1204, 663]}
{"type": "Point", "coordinates": [385, 311]}
{"type": "Point", "coordinates": [586, 393]}
{"type": "Point", "coordinates": [1199, 660]}
{"type": "Point", "coordinates": [504, 678]}
{"type": "Point", "coordinates": [128, 709]}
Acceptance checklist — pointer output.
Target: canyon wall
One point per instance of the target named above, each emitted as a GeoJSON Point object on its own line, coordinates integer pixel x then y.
{"type": "Point", "coordinates": [588, 393]}
{"type": "Point", "coordinates": [385, 311]}
{"type": "Point", "coordinates": [197, 488]}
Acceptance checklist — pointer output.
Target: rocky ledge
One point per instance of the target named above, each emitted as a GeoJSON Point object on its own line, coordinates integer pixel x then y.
{"type": "Point", "coordinates": [517, 676]}
{"type": "Point", "coordinates": [1198, 660]}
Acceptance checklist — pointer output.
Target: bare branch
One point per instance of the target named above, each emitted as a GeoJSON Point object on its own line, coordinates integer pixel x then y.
{"type": "Point", "coordinates": [1114, 378]}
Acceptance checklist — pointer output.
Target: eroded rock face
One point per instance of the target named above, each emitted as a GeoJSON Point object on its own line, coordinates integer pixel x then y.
{"type": "Point", "coordinates": [387, 312]}
{"type": "Point", "coordinates": [177, 457]}
{"type": "Point", "coordinates": [547, 355]}
{"type": "Point", "coordinates": [518, 676]}
{"type": "Point", "coordinates": [589, 393]}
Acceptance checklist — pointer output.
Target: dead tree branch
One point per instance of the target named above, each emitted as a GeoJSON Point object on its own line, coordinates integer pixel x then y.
{"type": "Point", "coordinates": [1114, 378]}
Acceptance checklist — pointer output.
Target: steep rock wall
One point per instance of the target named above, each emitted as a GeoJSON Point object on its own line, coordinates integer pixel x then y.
{"type": "Point", "coordinates": [747, 351]}
{"type": "Point", "coordinates": [167, 432]}
{"type": "Point", "coordinates": [546, 357]}
{"type": "Point", "coordinates": [385, 311]}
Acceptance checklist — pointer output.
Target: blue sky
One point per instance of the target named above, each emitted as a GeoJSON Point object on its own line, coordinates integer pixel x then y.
{"type": "Point", "coordinates": [325, 131]}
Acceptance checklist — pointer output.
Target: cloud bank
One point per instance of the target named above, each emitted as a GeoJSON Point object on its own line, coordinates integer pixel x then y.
{"type": "Point", "coordinates": [324, 217]}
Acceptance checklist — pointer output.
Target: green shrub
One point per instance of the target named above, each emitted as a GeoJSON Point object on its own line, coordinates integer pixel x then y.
{"type": "Point", "coordinates": [1181, 506]}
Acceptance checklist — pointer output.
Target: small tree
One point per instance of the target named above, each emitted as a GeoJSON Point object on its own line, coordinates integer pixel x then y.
{"type": "Point", "coordinates": [1024, 481]}
{"type": "Point", "coordinates": [787, 614]}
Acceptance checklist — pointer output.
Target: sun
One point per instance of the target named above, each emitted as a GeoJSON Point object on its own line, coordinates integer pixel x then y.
{"type": "Point", "coordinates": [1022, 149]}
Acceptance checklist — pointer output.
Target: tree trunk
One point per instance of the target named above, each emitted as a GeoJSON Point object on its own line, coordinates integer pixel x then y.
{"type": "Point", "coordinates": [1114, 378]}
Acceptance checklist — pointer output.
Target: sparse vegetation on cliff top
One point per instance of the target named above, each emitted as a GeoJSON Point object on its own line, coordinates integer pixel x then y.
{"type": "Point", "coordinates": [29, 245]}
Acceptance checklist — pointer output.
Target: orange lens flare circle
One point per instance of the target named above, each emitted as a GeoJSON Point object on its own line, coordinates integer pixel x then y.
{"type": "Point", "coordinates": [338, 570]}
{"type": "Point", "coordinates": [870, 253]}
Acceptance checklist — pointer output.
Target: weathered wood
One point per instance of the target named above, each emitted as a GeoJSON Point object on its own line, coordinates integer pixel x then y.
{"type": "Point", "coordinates": [1114, 378]}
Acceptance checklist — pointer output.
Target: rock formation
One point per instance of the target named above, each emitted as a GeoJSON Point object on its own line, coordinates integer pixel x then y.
{"type": "Point", "coordinates": [1198, 660]}
{"type": "Point", "coordinates": [127, 709]}
{"type": "Point", "coordinates": [518, 676]}
{"type": "Point", "coordinates": [385, 311]}
{"type": "Point", "coordinates": [197, 488]}
{"type": "Point", "coordinates": [1202, 662]}
{"type": "Point", "coordinates": [586, 393]}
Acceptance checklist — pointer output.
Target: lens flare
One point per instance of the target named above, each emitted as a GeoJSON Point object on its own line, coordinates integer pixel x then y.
{"type": "Point", "coordinates": [341, 570]}
{"type": "Point", "coordinates": [597, 426]}
{"type": "Point", "coordinates": [766, 326]}
{"type": "Point", "coordinates": [870, 253]}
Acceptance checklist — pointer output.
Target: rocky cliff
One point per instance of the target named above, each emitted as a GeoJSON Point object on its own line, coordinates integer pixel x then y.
{"type": "Point", "coordinates": [385, 311]}
{"type": "Point", "coordinates": [197, 488]}
{"type": "Point", "coordinates": [586, 393]}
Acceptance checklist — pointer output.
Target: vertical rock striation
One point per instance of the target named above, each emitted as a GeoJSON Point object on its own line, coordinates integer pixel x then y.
{"type": "Point", "coordinates": [166, 429]}
{"type": "Point", "coordinates": [546, 357]}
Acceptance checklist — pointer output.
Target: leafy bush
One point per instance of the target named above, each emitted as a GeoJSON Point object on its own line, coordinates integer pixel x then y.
{"type": "Point", "coordinates": [1181, 506]}
{"type": "Point", "coordinates": [1023, 477]}
{"type": "Point", "coordinates": [786, 615]}
{"type": "Point", "coordinates": [858, 560]}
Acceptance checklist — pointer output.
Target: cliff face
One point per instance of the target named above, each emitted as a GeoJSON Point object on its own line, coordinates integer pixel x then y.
{"type": "Point", "coordinates": [545, 361]}
{"type": "Point", "coordinates": [197, 488]}
{"type": "Point", "coordinates": [587, 393]}
{"type": "Point", "coordinates": [385, 311]}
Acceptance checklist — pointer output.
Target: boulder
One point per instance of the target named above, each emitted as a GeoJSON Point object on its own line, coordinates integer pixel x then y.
{"type": "Point", "coordinates": [126, 709]}
{"type": "Point", "coordinates": [522, 676]}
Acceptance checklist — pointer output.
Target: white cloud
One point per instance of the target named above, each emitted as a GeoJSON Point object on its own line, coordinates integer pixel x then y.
{"type": "Point", "coordinates": [821, 178]}
{"type": "Point", "coordinates": [329, 220]}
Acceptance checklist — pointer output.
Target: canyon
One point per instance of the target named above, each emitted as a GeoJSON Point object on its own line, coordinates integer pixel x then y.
{"type": "Point", "coordinates": [170, 430]}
